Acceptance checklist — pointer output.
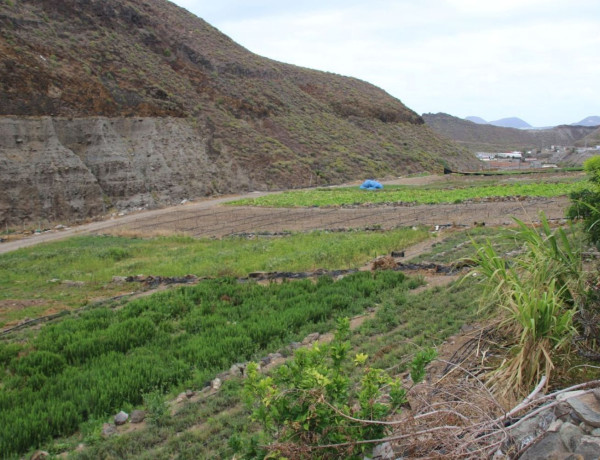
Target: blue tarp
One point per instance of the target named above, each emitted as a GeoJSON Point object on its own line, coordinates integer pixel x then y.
{"type": "Point", "coordinates": [371, 185]}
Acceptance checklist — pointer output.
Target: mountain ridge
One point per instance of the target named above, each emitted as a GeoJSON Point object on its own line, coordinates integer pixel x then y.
{"type": "Point", "coordinates": [592, 120]}
{"type": "Point", "coordinates": [511, 122]}
{"type": "Point", "coordinates": [489, 138]}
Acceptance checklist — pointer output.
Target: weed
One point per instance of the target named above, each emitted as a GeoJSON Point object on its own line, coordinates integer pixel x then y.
{"type": "Point", "coordinates": [156, 407]}
{"type": "Point", "coordinates": [538, 294]}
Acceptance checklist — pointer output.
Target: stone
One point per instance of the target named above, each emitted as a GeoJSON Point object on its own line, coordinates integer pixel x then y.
{"type": "Point", "coordinates": [216, 384]}
{"type": "Point", "coordinates": [562, 411]}
{"type": "Point", "coordinates": [596, 393]}
{"type": "Point", "coordinates": [555, 425]}
{"type": "Point", "coordinates": [595, 432]}
{"type": "Point", "coordinates": [383, 451]}
{"type": "Point", "coordinates": [550, 446]}
{"type": "Point", "coordinates": [119, 279]}
{"type": "Point", "coordinates": [39, 454]}
{"type": "Point", "coordinates": [571, 435]}
{"type": "Point", "coordinates": [569, 394]}
{"type": "Point", "coordinates": [108, 429]}
{"type": "Point", "coordinates": [295, 345]}
{"type": "Point", "coordinates": [589, 448]}
{"type": "Point", "coordinates": [310, 338]}
{"type": "Point", "coordinates": [189, 393]}
{"type": "Point", "coordinates": [121, 418]}
{"type": "Point", "coordinates": [587, 408]}
{"type": "Point", "coordinates": [181, 397]}
{"type": "Point", "coordinates": [138, 416]}
{"type": "Point", "coordinates": [236, 370]}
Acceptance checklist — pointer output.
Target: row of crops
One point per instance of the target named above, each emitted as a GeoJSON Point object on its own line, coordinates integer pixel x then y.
{"type": "Point", "coordinates": [92, 364]}
{"type": "Point", "coordinates": [408, 194]}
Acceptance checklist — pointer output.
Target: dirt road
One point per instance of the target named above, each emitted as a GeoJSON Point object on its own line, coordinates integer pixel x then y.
{"type": "Point", "coordinates": [208, 218]}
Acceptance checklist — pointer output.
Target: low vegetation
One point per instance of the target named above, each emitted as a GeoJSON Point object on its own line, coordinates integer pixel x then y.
{"type": "Point", "coordinates": [586, 201]}
{"type": "Point", "coordinates": [101, 360]}
{"type": "Point", "coordinates": [539, 293]}
{"type": "Point", "coordinates": [74, 272]}
{"type": "Point", "coordinates": [59, 383]}
{"type": "Point", "coordinates": [313, 408]}
{"type": "Point", "coordinates": [409, 194]}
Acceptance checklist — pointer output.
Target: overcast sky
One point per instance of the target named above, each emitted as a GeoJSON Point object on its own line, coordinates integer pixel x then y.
{"type": "Point", "coordinates": [535, 59]}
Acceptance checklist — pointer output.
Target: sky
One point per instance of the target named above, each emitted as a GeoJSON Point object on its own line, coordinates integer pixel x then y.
{"type": "Point", "coordinates": [538, 60]}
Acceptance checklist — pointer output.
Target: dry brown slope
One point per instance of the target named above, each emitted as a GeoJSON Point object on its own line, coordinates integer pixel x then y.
{"type": "Point", "coordinates": [215, 118]}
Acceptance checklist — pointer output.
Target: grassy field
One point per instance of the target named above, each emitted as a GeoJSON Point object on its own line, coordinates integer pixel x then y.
{"type": "Point", "coordinates": [79, 270]}
{"type": "Point", "coordinates": [431, 194]}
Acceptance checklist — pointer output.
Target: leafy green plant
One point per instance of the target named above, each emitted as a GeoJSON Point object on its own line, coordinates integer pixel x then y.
{"type": "Point", "coordinates": [585, 203]}
{"type": "Point", "coordinates": [313, 407]}
{"type": "Point", "coordinates": [156, 406]}
{"type": "Point", "coordinates": [538, 294]}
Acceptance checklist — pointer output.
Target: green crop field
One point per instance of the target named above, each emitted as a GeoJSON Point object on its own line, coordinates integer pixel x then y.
{"type": "Point", "coordinates": [340, 196]}
{"type": "Point", "coordinates": [98, 361]}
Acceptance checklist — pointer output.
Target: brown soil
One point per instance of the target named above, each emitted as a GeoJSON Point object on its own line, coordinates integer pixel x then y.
{"type": "Point", "coordinates": [207, 218]}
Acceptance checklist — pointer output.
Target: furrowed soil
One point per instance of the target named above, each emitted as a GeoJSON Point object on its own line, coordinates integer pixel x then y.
{"type": "Point", "coordinates": [210, 219]}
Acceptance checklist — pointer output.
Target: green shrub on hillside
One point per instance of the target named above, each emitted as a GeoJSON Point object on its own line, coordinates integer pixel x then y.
{"type": "Point", "coordinates": [314, 406]}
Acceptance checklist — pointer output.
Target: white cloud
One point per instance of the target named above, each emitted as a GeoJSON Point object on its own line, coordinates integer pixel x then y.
{"type": "Point", "coordinates": [537, 59]}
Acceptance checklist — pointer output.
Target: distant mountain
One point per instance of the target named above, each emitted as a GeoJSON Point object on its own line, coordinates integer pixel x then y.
{"type": "Point", "coordinates": [478, 120]}
{"type": "Point", "coordinates": [511, 122]}
{"type": "Point", "coordinates": [588, 121]}
{"type": "Point", "coordinates": [489, 138]}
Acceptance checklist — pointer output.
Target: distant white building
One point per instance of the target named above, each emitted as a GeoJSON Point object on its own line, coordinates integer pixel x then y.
{"type": "Point", "coordinates": [514, 155]}
{"type": "Point", "coordinates": [484, 156]}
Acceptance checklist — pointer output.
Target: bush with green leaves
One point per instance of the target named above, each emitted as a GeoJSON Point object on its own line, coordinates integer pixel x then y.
{"type": "Point", "coordinates": [316, 407]}
{"type": "Point", "coordinates": [586, 202]}
{"type": "Point", "coordinates": [156, 406]}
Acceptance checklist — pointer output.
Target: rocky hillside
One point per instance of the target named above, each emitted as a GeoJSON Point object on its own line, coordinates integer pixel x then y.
{"type": "Point", "coordinates": [591, 140]}
{"type": "Point", "coordinates": [116, 103]}
{"type": "Point", "coordinates": [488, 138]}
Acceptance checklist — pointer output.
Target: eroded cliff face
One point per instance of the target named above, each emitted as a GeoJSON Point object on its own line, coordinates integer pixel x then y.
{"type": "Point", "coordinates": [69, 169]}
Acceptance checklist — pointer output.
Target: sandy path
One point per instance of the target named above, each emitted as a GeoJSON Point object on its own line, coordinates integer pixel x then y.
{"type": "Point", "coordinates": [207, 218]}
